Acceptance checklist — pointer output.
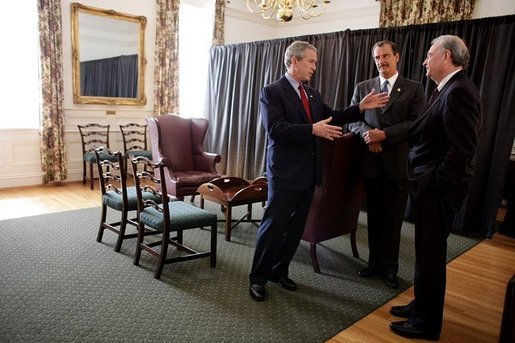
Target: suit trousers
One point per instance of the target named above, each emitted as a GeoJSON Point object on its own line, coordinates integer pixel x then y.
{"type": "Point", "coordinates": [433, 222]}
{"type": "Point", "coordinates": [280, 233]}
{"type": "Point", "coordinates": [386, 202]}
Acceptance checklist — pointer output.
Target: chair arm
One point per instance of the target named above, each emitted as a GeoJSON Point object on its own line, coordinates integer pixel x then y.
{"type": "Point", "coordinates": [206, 161]}
{"type": "Point", "coordinates": [169, 170]}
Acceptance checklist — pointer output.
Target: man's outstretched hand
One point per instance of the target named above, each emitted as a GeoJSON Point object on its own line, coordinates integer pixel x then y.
{"type": "Point", "coordinates": [373, 100]}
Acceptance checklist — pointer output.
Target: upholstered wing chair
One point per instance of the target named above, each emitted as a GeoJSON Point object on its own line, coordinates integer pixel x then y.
{"type": "Point", "coordinates": [181, 141]}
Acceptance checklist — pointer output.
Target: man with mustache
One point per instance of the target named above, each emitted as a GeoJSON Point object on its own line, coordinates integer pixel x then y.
{"type": "Point", "coordinates": [384, 153]}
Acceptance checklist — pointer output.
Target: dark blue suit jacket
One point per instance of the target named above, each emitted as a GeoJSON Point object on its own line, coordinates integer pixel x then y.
{"type": "Point", "coordinates": [294, 155]}
{"type": "Point", "coordinates": [443, 142]}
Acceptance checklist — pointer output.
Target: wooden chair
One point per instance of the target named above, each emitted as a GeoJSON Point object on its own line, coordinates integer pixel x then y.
{"type": "Point", "coordinates": [180, 142]}
{"type": "Point", "coordinates": [134, 141]}
{"type": "Point", "coordinates": [93, 136]}
{"type": "Point", "coordinates": [336, 204]}
{"type": "Point", "coordinates": [116, 195]}
{"type": "Point", "coordinates": [166, 218]}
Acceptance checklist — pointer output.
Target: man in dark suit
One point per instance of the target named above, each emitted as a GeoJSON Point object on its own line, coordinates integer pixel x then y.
{"type": "Point", "coordinates": [443, 143]}
{"type": "Point", "coordinates": [295, 119]}
{"type": "Point", "coordinates": [384, 153]}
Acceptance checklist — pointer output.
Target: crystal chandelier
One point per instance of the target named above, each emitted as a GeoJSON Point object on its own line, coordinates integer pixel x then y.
{"type": "Point", "coordinates": [284, 8]}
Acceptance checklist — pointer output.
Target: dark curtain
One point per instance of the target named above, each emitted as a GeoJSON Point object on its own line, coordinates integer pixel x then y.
{"type": "Point", "coordinates": [238, 72]}
{"type": "Point", "coordinates": [110, 77]}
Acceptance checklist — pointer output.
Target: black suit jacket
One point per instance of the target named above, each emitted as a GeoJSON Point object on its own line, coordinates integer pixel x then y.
{"type": "Point", "coordinates": [443, 142]}
{"type": "Point", "coordinates": [406, 102]}
{"type": "Point", "coordinates": [294, 155]}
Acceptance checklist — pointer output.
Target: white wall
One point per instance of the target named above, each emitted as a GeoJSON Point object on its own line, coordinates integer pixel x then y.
{"type": "Point", "coordinates": [19, 149]}
{"type": "Point", "coordinates": [340, 15]}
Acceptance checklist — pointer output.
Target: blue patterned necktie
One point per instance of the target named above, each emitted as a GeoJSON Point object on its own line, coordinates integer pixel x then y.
{"type": "Point", "coordinates": [384, 89]}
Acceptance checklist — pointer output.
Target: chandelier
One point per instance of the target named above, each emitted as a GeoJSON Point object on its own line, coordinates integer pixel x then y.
{"type": "Point", "coordinates": [284, 8]}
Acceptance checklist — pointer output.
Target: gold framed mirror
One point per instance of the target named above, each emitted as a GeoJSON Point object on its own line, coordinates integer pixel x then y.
{"type": "Point", "coordinates": [108, 56]}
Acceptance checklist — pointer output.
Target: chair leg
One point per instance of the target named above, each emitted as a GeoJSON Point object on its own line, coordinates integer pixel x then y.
{"type": "Point", "coordinates": [212, 258]}
{"type": "Point", "coordinates": [141, 235]}
{"type": "Point", "coordinates": [83, 172]}
{"type": "Point", "coordinates": [179, 236]}
{"type": "Point", "coordinates": [102, 221]}
{"type": "Point", "coordinates": [314, 259]}
{"type": "Point", "coordinates": [91, 180]}
{"type": "Point", "coordinates": [355, 252]}
{"type": "Point", "coordinates": [162, 255]}
{"type": "Point", "coordinates": [121, 234]}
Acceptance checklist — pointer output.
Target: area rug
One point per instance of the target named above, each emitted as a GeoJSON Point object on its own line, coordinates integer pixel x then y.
{"type": "Point", "coordinates": [57, 284]}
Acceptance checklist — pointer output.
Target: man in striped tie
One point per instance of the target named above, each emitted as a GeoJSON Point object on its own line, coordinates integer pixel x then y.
{"type": "Point", "coordinates": [384, 155]}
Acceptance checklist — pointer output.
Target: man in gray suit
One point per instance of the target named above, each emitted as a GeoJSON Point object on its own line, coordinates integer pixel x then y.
{"type": "Point", "coordinates": [384, 154]}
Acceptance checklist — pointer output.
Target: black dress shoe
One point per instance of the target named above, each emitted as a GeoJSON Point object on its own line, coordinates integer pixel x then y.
{"type": "Point", "coordinates": [368, 271]}
{"type": "Point", "coordinates": [405, 329]}
{"type": "Point", "coordinates": [257, 292]}
{"type": "Point", "coordinates": [392, 280]}
{"type": "Point", "coordinates": [401, 311]}
{"type": "Point", "coordinates": [285, 282]}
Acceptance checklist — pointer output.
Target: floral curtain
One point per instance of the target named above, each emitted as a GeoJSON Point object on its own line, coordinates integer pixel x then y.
{"type": "Point", "coordinates": [53, 151]}
{"type": "Point", "coordinates": [409, 12]}
{"type": "Point", "coordinates": [166, 62]}
{"type": "Point", "coordinates": [218, 31]}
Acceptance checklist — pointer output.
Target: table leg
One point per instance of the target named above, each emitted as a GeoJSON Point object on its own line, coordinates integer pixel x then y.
{"type": "Point", "coordinates": [249, 210]}
{"type": "Point", "coordinates": [228, 223]}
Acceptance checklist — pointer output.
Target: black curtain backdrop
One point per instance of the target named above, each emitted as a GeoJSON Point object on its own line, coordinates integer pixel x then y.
{"type": "Point", "coordinates": [110, 77]}
{"type": "Point", "coordinates": [238, 72]}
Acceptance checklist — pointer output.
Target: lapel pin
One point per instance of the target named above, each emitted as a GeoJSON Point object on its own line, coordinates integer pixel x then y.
{"type": "Point", "coordinates": [398, 89]}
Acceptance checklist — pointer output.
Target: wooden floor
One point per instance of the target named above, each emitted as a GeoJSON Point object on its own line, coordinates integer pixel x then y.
{"type": "Point", "coordinates": [476, 282]}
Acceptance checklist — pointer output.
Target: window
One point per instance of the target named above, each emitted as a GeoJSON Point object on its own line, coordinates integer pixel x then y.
{"type": "Point", "coordinates": [19, 66]}
{"type": "Point", "coordinates": [195, 38]}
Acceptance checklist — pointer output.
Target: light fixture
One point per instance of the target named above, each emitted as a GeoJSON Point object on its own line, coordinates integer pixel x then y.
{"type": "Point", "coordinates": [284, 8]}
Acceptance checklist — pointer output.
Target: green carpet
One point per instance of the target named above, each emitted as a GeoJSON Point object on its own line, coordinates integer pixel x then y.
{"type": "Point", "coordinates": [57, 284]}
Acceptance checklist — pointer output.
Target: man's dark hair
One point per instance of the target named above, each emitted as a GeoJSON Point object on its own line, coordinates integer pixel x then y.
{"type": "Point", "coordinates": [385, 42]}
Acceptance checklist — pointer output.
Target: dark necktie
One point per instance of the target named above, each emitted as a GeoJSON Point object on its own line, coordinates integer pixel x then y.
{"type": "Point", "coordinates": [384, 89]}
{"type": "Point", "coordinates": [434, 96]}
{"type": "Point", "coordinates": [305, 102]}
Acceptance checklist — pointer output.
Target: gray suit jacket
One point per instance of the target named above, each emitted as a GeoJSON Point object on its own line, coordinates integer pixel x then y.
{"type": "Point", "coordinates": [406, 102]}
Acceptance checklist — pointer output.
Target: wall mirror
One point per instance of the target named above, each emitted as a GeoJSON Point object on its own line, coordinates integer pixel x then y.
{"type": "Point", "coordinates": [108, 56]}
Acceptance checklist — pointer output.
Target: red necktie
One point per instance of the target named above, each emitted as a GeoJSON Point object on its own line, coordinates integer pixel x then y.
{"type": "Point", "coordinates": [305, 102]}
